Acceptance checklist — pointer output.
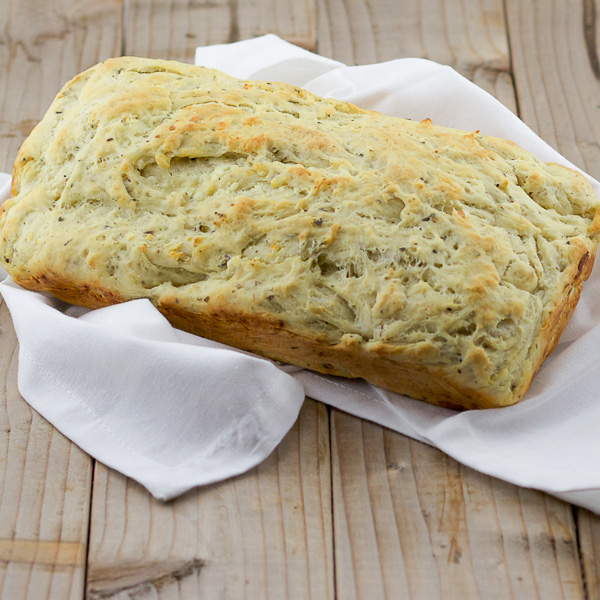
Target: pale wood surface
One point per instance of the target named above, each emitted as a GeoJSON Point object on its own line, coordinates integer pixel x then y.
{"type": "Point", "coordinates": [44, 496]}
{"type": "Point", "coordinates": [172, 29]}
{"type": "Point", "coordinates": [45, 479]}
{"type": "Point", "coordinates": [343, 508]}
{"type": "Point", "coordinates": [556, 74]}
{"type": "Point", "coordinates": [412, 523]}
{"type": "Point", "coordinates": [467, 35]}
{"type": "Point", "coordinates": [434, 529]}
{"type": "Point", "coordinates": [265, 534]}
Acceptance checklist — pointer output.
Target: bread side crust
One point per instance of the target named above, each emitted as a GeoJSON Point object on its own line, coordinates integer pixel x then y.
{"type": "Point", "coordinates": [379, 363]}
{"type": "Point", "coordinates": [557, 317]}
{"type": "Point", "coordinates": [267, 336]}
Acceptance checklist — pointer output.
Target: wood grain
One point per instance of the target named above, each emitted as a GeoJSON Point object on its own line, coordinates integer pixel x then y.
{"type": "Point", "coordinates": [555, 59]}
{"type": "Point", "coordinates": [45, 479]}
{"type": "Point", "coordinates": [265, 534]}
{"type": "Point", "coordinates": [42, 45]}
{"type": "Point", "coordinates": [173, 28]}
{"type": "Point", "coordinates": [268, 533]}
{"type": "Point", "coordinates": [408, 521]}
{"type": "Point", "coordinates": [588, 528]}
{"type": "Point", "coordinates": [412, 523]}
{"type": "Point", "coordinates": [44, 496]}
{"type": "Point", "coordinates": [469, 36]}
{"type": "Point", "coordinates": [554, 48]}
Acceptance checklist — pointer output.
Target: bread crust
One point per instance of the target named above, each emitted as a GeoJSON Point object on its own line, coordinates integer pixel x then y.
{"type": "Point", "coordinates": [432, 262]}
{"type": "Point", "coordinates": [380, 364]}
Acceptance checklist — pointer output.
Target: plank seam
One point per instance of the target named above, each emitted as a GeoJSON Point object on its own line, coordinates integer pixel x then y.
{"type": "Point", "coordinates": [234, 28]}
{"type": "Point", "coordinates": [510, 58]}
{"type": "Point", "coordinates": [589, 35]}
{"type": "Point", "coordinates": [332, 502]}
{"type": "Point", "coordinates": [89, 533]}
{"type": "Point", "coordinates": [584, 583]}
{"type": "Point", "coordinates": [124, 16]}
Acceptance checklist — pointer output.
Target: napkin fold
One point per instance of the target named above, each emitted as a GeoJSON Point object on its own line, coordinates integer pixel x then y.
{"type": "Point", "coordinates": [122, 384]}
{"type": "Point", "coordinates": [173, 411]}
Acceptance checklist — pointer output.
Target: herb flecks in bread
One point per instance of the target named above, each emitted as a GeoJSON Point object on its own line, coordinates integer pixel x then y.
{"type": "Point", "coordinates": [434, 262]}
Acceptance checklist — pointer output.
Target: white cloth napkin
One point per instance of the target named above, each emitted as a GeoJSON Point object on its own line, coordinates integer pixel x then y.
{"type": "Point", "coordinates": [173, 411]}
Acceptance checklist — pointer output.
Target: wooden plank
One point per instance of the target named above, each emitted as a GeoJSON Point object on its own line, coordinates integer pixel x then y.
{"type": "Point", "coordinates": [44, 495]}
{"type": "Point", "coordinates": [265, 534]}
{"type": "Point", "coordinates": [173, 28]}
{"type": "Point", "coordinates": [557, 75]}
{"type": "Point", "coordinates": [554, 47]}
{"type": "Point", "coordinates": [412, 523]}
{"type": "Point", "coordinates": [42, 45]}
{"type": "Point", "coordinates": [45, 480]}
{"type": "Point", "coordinates": [469, 36]}
{"type": "Point", "coordinates": [588, 527]}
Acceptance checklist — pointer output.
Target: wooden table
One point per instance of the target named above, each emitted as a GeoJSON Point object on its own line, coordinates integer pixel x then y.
{"type": "Point", "coordinates": [343, 508]}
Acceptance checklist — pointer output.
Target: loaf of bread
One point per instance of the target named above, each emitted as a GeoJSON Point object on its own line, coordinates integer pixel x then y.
{"type": "Point", "coordinates": [433, 262]}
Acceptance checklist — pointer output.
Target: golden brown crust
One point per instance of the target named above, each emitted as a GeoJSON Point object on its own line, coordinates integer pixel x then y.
{"type": "Point", "coordinates": [80, 293]}
{"type": "Point", "coordinates": [380, 364]}
{"type": "Point", "coordinates": [267, 336]}
{"type": "Point", "coordinates": [558, 317]}
{"type": "Point", "coordinates": [264, 335]}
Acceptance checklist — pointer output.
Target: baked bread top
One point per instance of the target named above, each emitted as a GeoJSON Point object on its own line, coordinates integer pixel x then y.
{"type": "Point", "coordinates": [434, 262]}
